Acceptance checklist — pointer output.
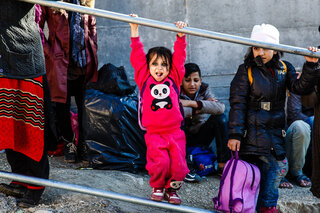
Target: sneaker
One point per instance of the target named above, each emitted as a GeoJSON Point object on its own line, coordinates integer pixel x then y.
{"type": "Point", "coordinates": [272, 209]}
{"type": "Point", "coordinates": [192, 177]}
{"type": "Point", "coordinates": [172, 197]}
{"type": "Point", "coordinates": [70, 152]}
{"type": "Point", "coordinates": [157, 194]}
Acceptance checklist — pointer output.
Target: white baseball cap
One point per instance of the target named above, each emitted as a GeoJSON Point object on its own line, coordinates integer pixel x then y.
{"type": "Point", "coordinates": [265, 33]}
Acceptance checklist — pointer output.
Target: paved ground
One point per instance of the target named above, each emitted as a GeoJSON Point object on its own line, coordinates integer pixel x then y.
{"type": "Point", "coordinates": [195, 195]}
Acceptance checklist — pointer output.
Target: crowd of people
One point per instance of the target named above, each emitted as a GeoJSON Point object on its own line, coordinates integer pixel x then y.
{"type": "Point", "coordinates": [267, 124]}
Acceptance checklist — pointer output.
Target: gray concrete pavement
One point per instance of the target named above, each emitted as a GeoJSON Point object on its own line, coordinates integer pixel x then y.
{"type": "Point", "coordinates": [197, 195]}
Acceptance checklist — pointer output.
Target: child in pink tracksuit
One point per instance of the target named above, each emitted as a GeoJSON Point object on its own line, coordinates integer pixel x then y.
{"type": "Point", "coordinates": [159, 75]}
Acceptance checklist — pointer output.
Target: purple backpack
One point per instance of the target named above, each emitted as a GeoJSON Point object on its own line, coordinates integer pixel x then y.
{"type": "Point", "coordinates": [239, 187]}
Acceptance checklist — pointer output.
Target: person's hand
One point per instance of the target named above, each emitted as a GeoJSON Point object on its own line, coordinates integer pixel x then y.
{"type": "Point", "coordinates": [234, 144]}
{"type": "Point", "coordinates": [299, 75]}
{"type": "Point", "coordinates": [189, 103]}
{"type": "Point", "coordinates": [134, 27]}
{"type": "Point", "coordinates": [180, 25]}
{"type": "Point", "coordinates": [212, 99]}
{"type": "Point", "coordinates": [311, 59]}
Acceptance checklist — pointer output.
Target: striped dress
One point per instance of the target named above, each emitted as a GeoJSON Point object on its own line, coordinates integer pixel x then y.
{"type": "Point", "coordinates": [22, 116]}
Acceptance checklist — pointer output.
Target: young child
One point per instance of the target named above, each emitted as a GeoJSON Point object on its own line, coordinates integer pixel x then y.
{"type": "Point", "coordinates": [200, 129]}
{"type": "Point", "coordinates": [158, 76]}
{"type": "Point", "coordinates": [257, 117]}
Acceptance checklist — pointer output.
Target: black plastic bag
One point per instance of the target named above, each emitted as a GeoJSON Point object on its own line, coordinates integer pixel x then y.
{"type": "Point", "coordinates": [112, 80]}
{"type": "Point", "coordinates": [112, 132]}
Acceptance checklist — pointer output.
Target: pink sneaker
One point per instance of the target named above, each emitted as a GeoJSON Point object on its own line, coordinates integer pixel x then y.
{"type": "Point", "coordinates": [272, 209]}
{"type": "Point", "coordinates": [172, 197]}
{"type": "Point", "coordinates": [157, 194]}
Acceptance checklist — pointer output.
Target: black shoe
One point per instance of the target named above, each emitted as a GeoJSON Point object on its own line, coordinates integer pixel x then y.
{"type": "Point", "coordinates": [30, 199]}
{"type": "Point", "coordinates": [83, 152]}
{"type": "Point", "coordinates": [27, 203]}
{"type": "Point", "coordinates": [15, 190]}
{"type": "Point", "coordinates": [192, 177]}
{"type": "Point", "coordinates": [70, 151]}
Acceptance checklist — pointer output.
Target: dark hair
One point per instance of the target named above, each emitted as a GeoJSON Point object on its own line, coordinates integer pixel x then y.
{"type": "Point", "coordinates": [190, 68]}
{"type": "Point", "coordinates": [248, 58]}
{"type": "Point", "coordinates": [161, 52]}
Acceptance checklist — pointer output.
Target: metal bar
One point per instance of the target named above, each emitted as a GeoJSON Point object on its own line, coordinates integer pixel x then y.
{"type": "Point", "coordinates": [99, 192]}
{"type": "Point", "coordinates": [172, 27]}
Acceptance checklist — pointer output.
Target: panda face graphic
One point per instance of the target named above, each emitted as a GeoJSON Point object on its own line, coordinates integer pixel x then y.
{"type": "Point", "coordinates": [160, 93]}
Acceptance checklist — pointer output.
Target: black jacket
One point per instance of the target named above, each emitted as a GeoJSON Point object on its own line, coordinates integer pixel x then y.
{"type": "Point", "coordinates": [263, 128]}
{"type": "Point", "coordinates": [21, 53]}
{"type": "Point", "coordinates": [295, 110]}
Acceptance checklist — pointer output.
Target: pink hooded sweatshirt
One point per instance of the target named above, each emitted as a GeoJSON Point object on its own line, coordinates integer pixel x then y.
{"type": "Point", "coordinates": [160, 110]}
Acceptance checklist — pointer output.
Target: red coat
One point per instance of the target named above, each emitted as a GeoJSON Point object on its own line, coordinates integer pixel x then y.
{"type": "Point", "coordinates": [56, 50]}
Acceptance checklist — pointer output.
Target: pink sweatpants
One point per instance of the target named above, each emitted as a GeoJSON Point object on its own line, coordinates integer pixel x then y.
{"type": "Point", "coordinates": [166, 158]}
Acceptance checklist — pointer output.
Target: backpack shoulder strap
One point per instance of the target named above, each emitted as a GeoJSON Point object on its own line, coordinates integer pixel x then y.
{"type": "Point", "coordinates": [140, 104]}
{"type": "Point", "coordinates": [180, 104]}
{"type": "Point", "coordinates": [284, 66]}
{"type": "Point", "coordinates": [250, 75]}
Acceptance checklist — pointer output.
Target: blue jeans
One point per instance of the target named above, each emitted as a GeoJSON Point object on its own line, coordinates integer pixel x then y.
{"type": "Point", "coordinates": [297, 142]}
{"type": "Point", "coordinates": [272, 171]}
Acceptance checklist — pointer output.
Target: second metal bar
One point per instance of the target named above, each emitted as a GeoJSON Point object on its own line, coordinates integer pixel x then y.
{"type": "Point", "coordinates": [99, 192]}
{"type": "Point", "coordinates": [172, 27]}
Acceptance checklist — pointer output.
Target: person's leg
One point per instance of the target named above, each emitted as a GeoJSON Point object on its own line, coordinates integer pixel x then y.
{"type": "Point", "coordinates": [63, 119]}
{"type": "Point", "coordinates": [21, 164]}
{"type": "Point", "coordinates": [219, 125]}
{"type": "Point", "coordinates": [307, 168]}
{"type": "Point", "coordinates": [272, 171]}
{"type": "Point", "coordinates": [158, 164]}
{"type": "Point", "coordinates": [15, 188]}
{"type": "Point", "coordinates": [297, 143]}
{"type": "Point", "coordinates": [78, 92]}
{"type": "Point", "coordinates": [178, 166]}
{"type": "Point", "coordinates": [192, 140]}
{"type": "Point", "coordinates": [214, 127]}
{"type": "Point", "coordinates": [177, 153]}
{"type": "Point", "coordinates": [64, 124]}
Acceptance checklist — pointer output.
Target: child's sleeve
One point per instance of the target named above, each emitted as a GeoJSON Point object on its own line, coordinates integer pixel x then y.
{"type": "Point", "coordinates": [305, 84]}
{"type": "Point", "coordinates": [239, 90]}
{"type": "Point", "coordinates": [138, 61]}
{"type": "Point", "coordinates": [211, 107]}
{"type": "Point", "coordinates": [178, 60]}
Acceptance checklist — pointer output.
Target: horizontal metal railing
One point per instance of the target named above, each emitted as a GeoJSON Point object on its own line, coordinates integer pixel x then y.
{"type": "Point", "coordinates": [172, 27]}
{"type": "Point", "coordinates": [99, 192]}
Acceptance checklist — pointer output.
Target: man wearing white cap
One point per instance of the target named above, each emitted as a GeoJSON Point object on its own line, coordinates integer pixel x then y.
{"type": "Point", "coordinates": [257, 116]}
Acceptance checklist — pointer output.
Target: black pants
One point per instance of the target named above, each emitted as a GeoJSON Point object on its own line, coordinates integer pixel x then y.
{"type": "Point", "coordinates": [215, 127]}
{"type": "Point", "coordinates": [22, 164]}
{"type": "Point", "coordinates": [76, 89]}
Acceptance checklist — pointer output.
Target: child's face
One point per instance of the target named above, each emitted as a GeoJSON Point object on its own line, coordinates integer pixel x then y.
{"type": "Point", "coordinates": [159, 68]}
{"type": "Point", "coordinates": [191, 84]}
{"type": "Point", "coordinates": [265, 54]}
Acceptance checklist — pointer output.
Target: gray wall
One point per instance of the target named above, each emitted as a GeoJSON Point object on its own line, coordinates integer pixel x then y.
{"type": "Point", "coordinates": [297, 21]}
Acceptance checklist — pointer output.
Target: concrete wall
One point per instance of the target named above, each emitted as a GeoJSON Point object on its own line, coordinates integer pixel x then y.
{"type": "Point", "coordinates": [297, 21]}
